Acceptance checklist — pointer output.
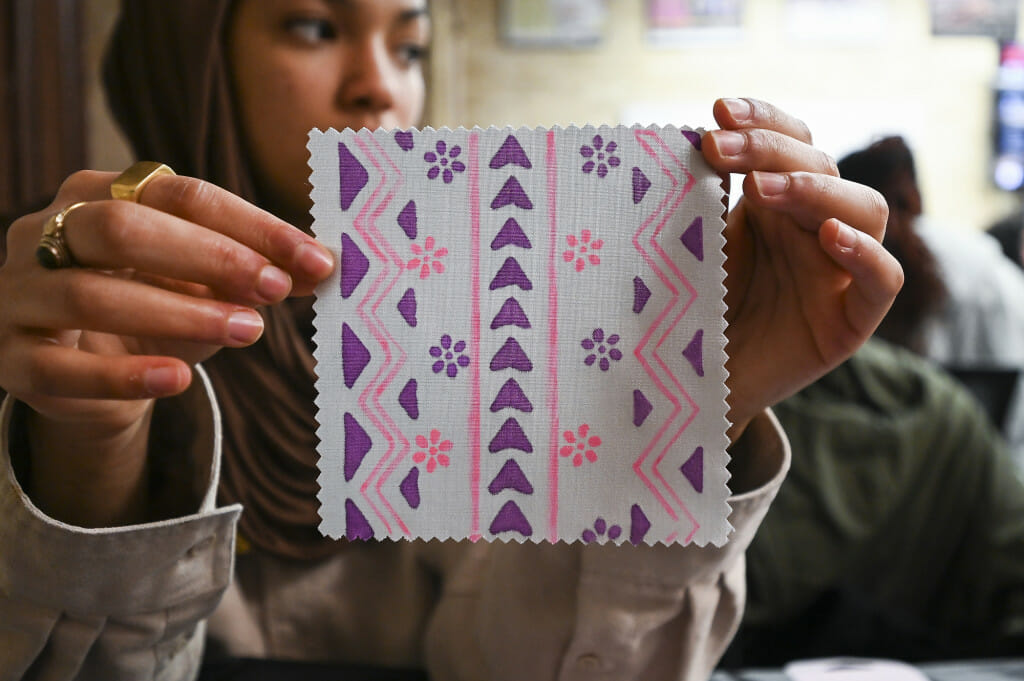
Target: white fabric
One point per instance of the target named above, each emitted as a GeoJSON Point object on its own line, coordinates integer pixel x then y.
{"type": "Point", "coordinates": [578, 267]}
{"type": "Point", "coordinates": [983, 323]}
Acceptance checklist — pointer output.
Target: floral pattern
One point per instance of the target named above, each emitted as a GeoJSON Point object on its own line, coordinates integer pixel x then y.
{"type": "Point", "coordinates": [582, 250]}
{"type": "Point", "coordinates": [443, 161]}
{"type": "Point", "coordinates": [428, 257]}
{"type": "Point", "coordinates": [601, 349]}
{"type": "Point", "coordinates": [599, 156]}
{"type": "Point", "coordinates": [432, 451]}
{"type": "Point", "coordinates": [579, 446]}
{"type": "Point", "coordinates": [450, 357]}
{"type": "Point", "coordinates": [600, 530]}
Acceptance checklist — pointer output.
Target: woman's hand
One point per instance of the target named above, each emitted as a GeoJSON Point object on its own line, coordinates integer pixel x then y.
{"type": "Point", "coordinates": [807, 278]}
{"type": "Point", "coordinates": [157, 286]}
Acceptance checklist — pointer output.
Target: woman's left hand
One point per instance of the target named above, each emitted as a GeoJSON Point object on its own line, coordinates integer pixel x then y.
{"type": "Point", "coordinates": [807, 278]}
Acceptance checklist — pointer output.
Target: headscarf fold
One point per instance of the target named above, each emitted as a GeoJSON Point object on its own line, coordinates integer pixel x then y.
{"type": "Point", "coordinates": [168, 84]}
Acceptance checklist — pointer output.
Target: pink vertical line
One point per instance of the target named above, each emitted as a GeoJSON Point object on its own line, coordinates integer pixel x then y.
{"type": "Point", "coordinates": [474, 332]}
{"type": "Point", "coordinates": [390, 461]}
{"type": "Point", "coordinates": [358, 225]}
{"type": "Point", "coordinates": [552, 168]}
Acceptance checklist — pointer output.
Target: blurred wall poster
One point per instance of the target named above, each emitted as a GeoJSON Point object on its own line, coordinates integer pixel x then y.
{"type": "Point", "coordinates": [683, 22]}
{"type": "Point", "coordinates": [995, 18]}
{"type": "Point", "coordinates": [832, 21]}
{"type": "Point", "coordinates": [552, 23]}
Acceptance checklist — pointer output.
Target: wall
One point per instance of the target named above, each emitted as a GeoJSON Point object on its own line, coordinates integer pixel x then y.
{"type": "Point", "coordinates": [935, 91]}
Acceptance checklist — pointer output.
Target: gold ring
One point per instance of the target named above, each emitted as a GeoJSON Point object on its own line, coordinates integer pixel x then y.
{"type": "Point", "coordinates": [129, 185]}
{"type": "Point", "coordinates": [53, 252]}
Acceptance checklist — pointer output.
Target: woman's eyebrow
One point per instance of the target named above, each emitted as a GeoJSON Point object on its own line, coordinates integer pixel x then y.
{"type": "Point", "coordinates": [404, 17]}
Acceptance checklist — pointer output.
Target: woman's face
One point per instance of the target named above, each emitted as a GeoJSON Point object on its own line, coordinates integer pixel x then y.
{"type": "Point", "coordinates": [301, 64]}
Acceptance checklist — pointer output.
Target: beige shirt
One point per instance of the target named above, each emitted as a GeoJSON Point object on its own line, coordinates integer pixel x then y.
{"type": "Point", "coordinates": [134, 602]}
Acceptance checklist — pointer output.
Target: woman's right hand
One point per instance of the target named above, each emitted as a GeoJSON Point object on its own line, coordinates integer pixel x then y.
{"type": "Point", "coordinates": [157, 286]}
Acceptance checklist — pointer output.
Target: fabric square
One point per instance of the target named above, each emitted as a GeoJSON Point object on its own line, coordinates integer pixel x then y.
{"type": "Point", "coordinates": [525, 337]}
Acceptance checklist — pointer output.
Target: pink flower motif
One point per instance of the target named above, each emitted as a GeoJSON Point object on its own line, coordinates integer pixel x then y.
{"type": "Point", "coordinates": [427, 258]}
{"type": "Point", "coordinates": [432, 450]}
{"type": "Point", "coordinates": [582, 250]}
{"type": "Point", "coordinates": [580, 446]}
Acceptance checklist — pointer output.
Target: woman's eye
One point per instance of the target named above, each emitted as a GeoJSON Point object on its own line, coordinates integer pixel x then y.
{"type": "Point", "coordinates": [412, 53]}
{"type": "Point", "coordinates": [311, 30]}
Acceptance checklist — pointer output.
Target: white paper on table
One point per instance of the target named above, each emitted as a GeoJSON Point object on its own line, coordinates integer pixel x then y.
{"type": "Point", "coordinates": [525, 336]}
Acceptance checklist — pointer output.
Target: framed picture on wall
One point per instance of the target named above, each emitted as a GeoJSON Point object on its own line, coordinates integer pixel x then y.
{"type": "Point", "coordinates": [683, 22]}
{"type": "Point", "coordinates": [995, 18]}
{"type": "Point", "coordinates": [552, 23]}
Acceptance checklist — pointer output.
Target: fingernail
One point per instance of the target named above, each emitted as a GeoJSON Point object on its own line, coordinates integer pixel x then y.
{"type": "Point", "coordinates": [245, 326]}
{"type": "Point", "coordinates": [273, 284]}
{"type": "Point", "coordinates": [730, 143]}
{"type": "Point", "coordinates": [314, 260]}
{"type": "Point", "coordinates": [846, 237]}
{"type": "Point", "coordinates": [770, 184]}
{"type": "Point", "coordinates": [740, 109]}
{"type": "Point", "coordinates": [161, 381]}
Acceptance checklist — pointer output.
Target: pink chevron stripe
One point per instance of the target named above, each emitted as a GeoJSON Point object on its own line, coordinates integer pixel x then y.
{"type": "Point", "coordinates": [645, 339]}
{"type": "Point", "coordinates": [656, 245]}
{"type": "Point", "coordinates": [474, 361]}
{"type": "Point", "coordinates": [360, 227]}
{"type": "Point", "coordinates": [553, 459]}
{"type": "Point", "coordinates": [392, 464]}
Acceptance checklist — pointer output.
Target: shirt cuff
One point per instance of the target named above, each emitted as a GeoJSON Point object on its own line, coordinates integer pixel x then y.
{"type": "Point", "coordinates": [121, 570]}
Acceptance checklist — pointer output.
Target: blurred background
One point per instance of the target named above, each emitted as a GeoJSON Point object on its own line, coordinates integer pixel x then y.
{"type": "Point", "coordinates": [945, 74]}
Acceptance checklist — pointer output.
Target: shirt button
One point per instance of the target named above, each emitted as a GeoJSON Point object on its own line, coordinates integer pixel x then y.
{"type": "Point", "coordinates": [588, 662]}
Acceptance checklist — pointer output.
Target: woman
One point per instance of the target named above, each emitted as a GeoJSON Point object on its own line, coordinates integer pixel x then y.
{"type": "Point", "coordinates": [99, 368]}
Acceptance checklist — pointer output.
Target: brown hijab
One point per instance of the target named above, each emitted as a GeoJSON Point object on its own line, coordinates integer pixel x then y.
{"type": "Point", "coordinates": [169, 86]}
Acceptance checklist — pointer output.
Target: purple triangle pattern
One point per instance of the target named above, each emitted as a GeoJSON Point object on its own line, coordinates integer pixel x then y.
{"type": "Point", "coordinates": [511, 356]}
{"type": "Point", "coordinates": [692, 137]}
{"type": "Point", "coordinates": [511, 519]}
{"type": "Point", "coordinates": [407, 220]}
{"type": "Point", "coordinates": [693, 469]}
{"type": "Point", "coordinates": [352, 175]}
{"type": "Point", "coordinates": [693, 238]}
{"type": "Point", "coordinates": [510, 476]}
{"type": "Point", "coordinates": [640, 185]}
{"type": "Point", "coordinates": [357, 445]}
{"type": "Point", "coordinates": [641, 294]}
{"type": "Point", "coordinates": [354, 265]}
{"type": "Point", "coordinates": [511, 274]}
{"type": "Point", "coordinates": [638, 525]}
{"type": "Point", "coordinates": [512, 193]}
{"type": "Point", "coordinates": [356, 526]}
{"type": "Point", "coordinates": [410, 487]}
{"type": "Point", "coordinates": [510, 234]}
{"type": "Point", "coordinates": [404, 139]}
{"type": "Point", "coordinates": [510, 314]}
{"type": "Point", "coordinates": [510, 152]}
{"type": "Point", "coordinates": [408, 400]}
{"type": "Point", "coordinates": [407, 307]}
{"type": "Point", "coordinates": [354, 355]}
{"type": "Point", "coordinates": [511, 396]}
{"type": "Point", "coordinates": [510, 436]}
{"type": "Point", "coordinates": [642, 408]}
{"type": "Point", "coordinates": [694, 352]}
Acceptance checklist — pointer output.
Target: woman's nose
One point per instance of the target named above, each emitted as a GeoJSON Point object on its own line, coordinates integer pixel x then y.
{"type": "Point", "coordinates": [370, 77]}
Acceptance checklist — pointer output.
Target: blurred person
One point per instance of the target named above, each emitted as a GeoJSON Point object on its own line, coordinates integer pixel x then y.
{"type": "Point", "coordinates": [900, 530]}
{"type": "Point", "coordinates": [139, 382]}
{"type": "Point", "coordinates": [962, 304]}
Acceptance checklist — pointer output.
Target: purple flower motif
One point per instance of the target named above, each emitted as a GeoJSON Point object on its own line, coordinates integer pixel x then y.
{"type": "Point", "coordinates": [449, 356]}
{"type": "Point", "coordinates": [601, 350]}
{"type": "Point", "coordinates": [443, 162]}
{"type": "Point", "coordinates": [600, 530]}
{"type": "Point", "coordinates": [599, 156]}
